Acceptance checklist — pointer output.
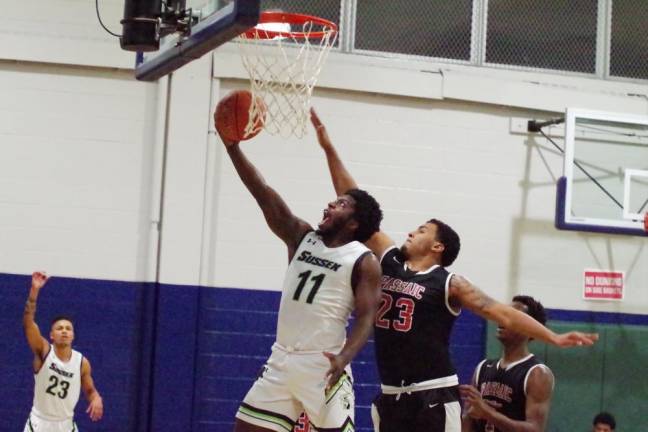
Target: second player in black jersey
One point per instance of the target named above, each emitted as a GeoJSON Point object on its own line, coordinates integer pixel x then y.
{"type": "Point", "coordinates": [514, 391]}
{"type": "Point", "coordinates": [415, 395]}
{"type": "Point", "coordinates": [503, 387]}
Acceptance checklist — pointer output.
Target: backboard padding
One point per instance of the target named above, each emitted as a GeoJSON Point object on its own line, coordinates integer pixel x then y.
{"type": "Point", "coordinates": [220, 26]}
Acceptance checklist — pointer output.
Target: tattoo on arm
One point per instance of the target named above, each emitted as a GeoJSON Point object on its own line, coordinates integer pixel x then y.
{"type": "Point", "coordinates": [484, 301]}
{"type": "Point", "coordinates": [469, 295]}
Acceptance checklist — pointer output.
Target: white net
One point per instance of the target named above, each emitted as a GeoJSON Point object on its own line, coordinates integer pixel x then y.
{"type": "Point", "coordinates": [284, 63]}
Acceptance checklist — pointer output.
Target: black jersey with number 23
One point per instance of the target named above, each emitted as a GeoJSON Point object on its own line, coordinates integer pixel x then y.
{"type": "Point", "coordinates": [413, 323]}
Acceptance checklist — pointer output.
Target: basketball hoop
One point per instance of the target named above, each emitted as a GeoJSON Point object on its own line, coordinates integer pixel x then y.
{"type": "Point", "coordinates": [646, 223]}
{"type": "Point", "coordinates": [284, 55]}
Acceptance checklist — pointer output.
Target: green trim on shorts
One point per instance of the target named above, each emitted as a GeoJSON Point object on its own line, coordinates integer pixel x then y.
{"type": "Point", "coordinates": [31, 428]}
{"type": "Point", "coordinates": [333, 390]}
{"type": "Point", "coordinates": [349, 428]}
{"type": "Point", "coordinates": [266, 417]}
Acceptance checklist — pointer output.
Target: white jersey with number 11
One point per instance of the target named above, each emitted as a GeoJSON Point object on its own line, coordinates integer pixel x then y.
{"type": "Point", "coordinates": [317, 296]}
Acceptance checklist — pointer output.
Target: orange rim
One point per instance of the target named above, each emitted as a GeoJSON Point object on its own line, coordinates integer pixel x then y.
{"type": "Point", "coordinates": [290, 18]}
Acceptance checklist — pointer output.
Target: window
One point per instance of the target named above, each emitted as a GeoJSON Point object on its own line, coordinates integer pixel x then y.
{"type": "Point", "coordinates": [629, 46]}
{"type": "Point", "coordinates": [548, 34]}
{"type": "Point", "coordinates": [555, 35]}
{"type": "Point", "coordinates": [440, 28]}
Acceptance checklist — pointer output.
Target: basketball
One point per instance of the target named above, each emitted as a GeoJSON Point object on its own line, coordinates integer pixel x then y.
{"type": "Point", "coordinates": [232, 116]}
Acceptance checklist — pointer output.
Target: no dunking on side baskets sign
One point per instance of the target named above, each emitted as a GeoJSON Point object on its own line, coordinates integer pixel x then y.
{"type": "Point", "coordinates": [603, 285]}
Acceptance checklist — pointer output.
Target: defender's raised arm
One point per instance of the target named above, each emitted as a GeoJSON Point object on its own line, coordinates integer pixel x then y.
{"type": "Point", "coordinates": [343, 181]}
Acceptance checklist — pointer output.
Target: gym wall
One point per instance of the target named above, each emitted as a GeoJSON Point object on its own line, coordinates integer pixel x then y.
{"type": "Point", "coordinates": [164, 258]}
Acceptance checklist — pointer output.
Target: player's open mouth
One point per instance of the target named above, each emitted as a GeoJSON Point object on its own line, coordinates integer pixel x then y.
{"type": "Point", "coordinates": [325, 218]}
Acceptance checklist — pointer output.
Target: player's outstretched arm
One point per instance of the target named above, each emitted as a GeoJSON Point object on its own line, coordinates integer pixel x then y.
{"type": "Point", "coordinates": [280, 219]}
{"type": "Point", "coordinates": [343, 180]}
{"type": "Point", "coordinates": [37, 343]}
{"type": "Point", "coordinates": [367, 298]}
{"type": "Point", "coordinates": [539, 389]}
{"type": "Point", "coordinates": [471, 297]}
{"type": "Point", "coordinates": [341, 177]}
{"type": "Point", "coordinates": [95, 402]}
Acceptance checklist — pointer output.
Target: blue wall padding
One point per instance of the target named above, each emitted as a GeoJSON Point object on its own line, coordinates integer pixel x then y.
{"type": "Point", "coordinates": [237, 329]}
{"type": "Point", "coordinates": [171, 393]}
{"type": "Point", "coordinates": [110, 330]}
{"type": "Point", "coordinates": [206, 346]}
{"type": "Point", "coordinates": [597, 317]}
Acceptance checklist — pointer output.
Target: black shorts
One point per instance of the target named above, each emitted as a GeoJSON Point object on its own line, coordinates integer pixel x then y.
{"type": "Point", "coordinates": [435, 410]}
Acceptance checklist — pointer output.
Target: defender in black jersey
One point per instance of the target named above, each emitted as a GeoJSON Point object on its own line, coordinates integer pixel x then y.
{"type": "Point", "coordinates": [514, 391]}
{"type": "Point", "coordinates": [420, 301]}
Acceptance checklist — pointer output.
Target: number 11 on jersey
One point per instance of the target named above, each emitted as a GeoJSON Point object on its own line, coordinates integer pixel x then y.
{"type": "Point", "coordinates": [303, 278]}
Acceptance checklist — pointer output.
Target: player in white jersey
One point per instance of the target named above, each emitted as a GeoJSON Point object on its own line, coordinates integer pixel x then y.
{"type": "Point", "coordinates": [60, 372]}
{"type": "Point", "coordinates": [330, 274]}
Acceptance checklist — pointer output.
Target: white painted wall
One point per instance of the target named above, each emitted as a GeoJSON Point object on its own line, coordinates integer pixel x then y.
{"type": "Point", "coordinates": [452, 160]}
{"type": "Point", "coordinates": [74, 171]}
{"type": "Point", "coordinates": [85, 152]}
{"type": "Point", "coordinates": [64, 32]}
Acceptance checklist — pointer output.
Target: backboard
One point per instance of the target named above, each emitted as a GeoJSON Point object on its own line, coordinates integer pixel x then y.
{"type": "Point", "coordinates": [218, 21]}
{"type": "Point", "coordinates": [604, 188]}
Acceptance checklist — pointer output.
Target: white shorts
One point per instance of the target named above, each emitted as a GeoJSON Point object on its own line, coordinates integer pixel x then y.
{"type": "Point", "coordinates": [293, 382]}
{"type": "Point", "coordinates": [37, 424]}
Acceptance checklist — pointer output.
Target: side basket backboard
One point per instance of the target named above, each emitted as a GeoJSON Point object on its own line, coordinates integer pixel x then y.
{"type": "Point", "coordinates": [604, 187]}
{"type": "Point", "coordinates": [219, 21]}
